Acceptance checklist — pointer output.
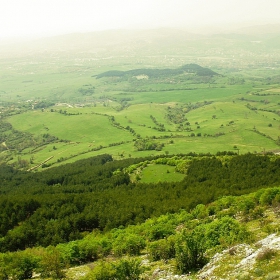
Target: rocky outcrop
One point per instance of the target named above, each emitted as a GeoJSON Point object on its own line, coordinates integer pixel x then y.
{"type": "Point", "coordinates": [239, 259]}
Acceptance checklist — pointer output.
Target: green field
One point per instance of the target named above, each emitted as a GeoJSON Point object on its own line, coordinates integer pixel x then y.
{"type": "Point", "coordinates": [59, 111]}
{"type": "Point", "coordinates": [160, 173]}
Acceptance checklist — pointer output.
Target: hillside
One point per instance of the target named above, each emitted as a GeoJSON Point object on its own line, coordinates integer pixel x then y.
{"type": "Point", "coordinates": [140, 155]}
{"type": "Point", "coordinates": [99, 193]}
{"type": "Point", "coordinates": [196, 234]}
{"type": "Point", "coordinates": [237, 241]}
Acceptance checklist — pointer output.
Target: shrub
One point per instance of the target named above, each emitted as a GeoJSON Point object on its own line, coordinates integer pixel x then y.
{"type": "Point", "coordinates": [17, 266]}
{"type": "Point", "coordinates": [199, 212]}
{"type": "Point", "coordinates": [130, 244]}
{"type": "Point", "coordinates": [246, 205]}
{"type": "Point", "coordinates": [244, 276]}
{"type": "Point", "coordinates": [3, 274]}
{"type": "Point", "coordinates": [257, 213]}
{"type": "Point", "coordinates": [268, 195]}
{"type": "Point", "coordinates": [163, 249]}
{"type": "Point", "coordinates": [190, 252]}
{"type": "Point", "coordinates": [232, 251]}
{"type": "Point", "coordinates": [52, 264]}
{"type": "Point", "coordinates": [160, 231]}
{"type": "Point", "coordinates": [259, 272]}
{"type": "Point", "coordinates": [120, 270]}
{"type": "Point", "coordinates": [223, 232]}
{"type": "Point", "coordinates": [128, 269]}
{"type": "Point", "coordinates": [69, 252]}
{"type": "Point", "coordinates": [103, 271]}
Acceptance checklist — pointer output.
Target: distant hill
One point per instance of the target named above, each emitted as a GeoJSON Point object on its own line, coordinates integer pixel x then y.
{"type": "Point", "coordinates": [155, 73]}
{"type": "Point", "coordinates": [98, 42]}
{"type": "Point", "coordinates": [260, 29]}
{"type": "Point", "coordinates": [134, 42]}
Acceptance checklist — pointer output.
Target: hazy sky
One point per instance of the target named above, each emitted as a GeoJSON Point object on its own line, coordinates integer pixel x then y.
{"type": "Point", "coordinates": [47, 17]}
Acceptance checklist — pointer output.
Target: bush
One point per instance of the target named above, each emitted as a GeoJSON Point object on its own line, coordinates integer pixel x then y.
{"type": "Point", "coordinates": [88, 251]}
{"type": "Point", "coordinates": [160, 231]}
{"type": "Point", "coordinates": [199, 212]}
{"type": "Point", "coordinates": [128, 269]}
{"type": "Point", "coordinates": [190, 252]}
{"type": "Point", "coordinates": [268, 196]}
{"type": "Point", "coordinates": [259, 272]}
{"type": "Point", "coordinates": [130, 244]}
{"type": "Point", "coordinates": [103, 271]}
{"type": "Point", "coordinates": [163, 249]}
{"type": "Point", "coordinates": [52, 264]}
{"type": "Point", "coordinates": [18, 266]}
{"type": "Point", "coordinates": [223, 232]}
{"type": "Point", "coordinates": [246, 205]}
{"type": "Point", "coordinates": [120, 270]}
{"type": "Point", "coordinates": [3, 274]}
{"type": "Point", "coordinates": [69, 252]}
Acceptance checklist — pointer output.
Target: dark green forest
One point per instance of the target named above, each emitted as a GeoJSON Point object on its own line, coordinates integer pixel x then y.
{"type": "Point", "coordinates": [156, 73]}
{"type": "Point", "coordinates": [66, 203]}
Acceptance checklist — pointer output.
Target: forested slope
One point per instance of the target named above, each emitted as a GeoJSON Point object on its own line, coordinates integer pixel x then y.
{"type": "Point", "coordinates": [180, 243]}
{"type": "Point", "coordinates": [64, 203]}
{"type": "Point", "coordinates": [155, 73]}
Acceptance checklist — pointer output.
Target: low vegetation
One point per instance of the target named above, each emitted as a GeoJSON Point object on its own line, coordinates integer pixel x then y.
{"type": "Point", "coordinates": [87, 203]}
{"type": "Point", "coordinates": [182, 242]}
{"type": "Point", "coordinates": [61, 204]}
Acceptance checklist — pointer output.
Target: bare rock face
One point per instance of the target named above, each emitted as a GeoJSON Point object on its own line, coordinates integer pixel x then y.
{"type": "Point", "coordinates": [239, 259]}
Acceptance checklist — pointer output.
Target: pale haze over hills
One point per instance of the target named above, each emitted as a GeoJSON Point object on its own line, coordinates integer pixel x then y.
{"type": "Point", "coordinates": [31, 18]}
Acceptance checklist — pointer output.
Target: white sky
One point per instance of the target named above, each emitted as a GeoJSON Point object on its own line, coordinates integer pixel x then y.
{"type": "Point", "coordinates": [47, 17]}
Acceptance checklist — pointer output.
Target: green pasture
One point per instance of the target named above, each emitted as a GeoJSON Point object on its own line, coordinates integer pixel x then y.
{"type": "Point", "coordinates": [219, 126]}
{"type": "Point", "coordinates": [48, 78]}
{"type": "Point", "coordinates": [160, 173]}
{"type": "Point", "coordinates": [71, 152]}
{"type": "Point", "coordinates": [60, 80]}
{"type": "Point", "coordinates": [245, 81]}
{"type": "Point", "coordinates": [242, 142]}
{"type": "Point", "coordinates": [185, 96]}
{"type": "Point", "coordinates": [83, 128]}
{"type": "Point", "coordinates": [138, 117]}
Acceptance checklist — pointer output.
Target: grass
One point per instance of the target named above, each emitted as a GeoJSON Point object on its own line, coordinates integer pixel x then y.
{"type": "Point", "coordinates": [160, 173]}
{"type": "Point", "coordinates": [59, 76]}
{"type": "Point", "coordinates": [89, 128]}
{"type": "Point", "coordinates": [234, 127]}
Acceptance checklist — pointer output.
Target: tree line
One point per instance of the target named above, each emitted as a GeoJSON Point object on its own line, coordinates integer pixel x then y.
{"type": "Point", "coordinates": [64, 203]}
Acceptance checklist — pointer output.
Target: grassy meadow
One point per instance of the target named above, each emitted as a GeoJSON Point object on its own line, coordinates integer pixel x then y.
{"type": "Point", "coordinates": [235, 110]}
